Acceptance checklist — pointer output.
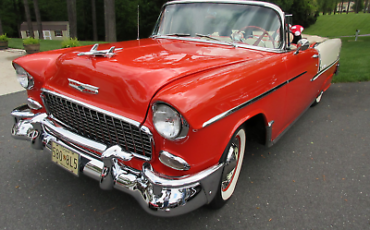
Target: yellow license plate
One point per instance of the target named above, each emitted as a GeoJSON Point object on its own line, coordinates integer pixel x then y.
{"type": "Point", "coordinates": [65, 158]}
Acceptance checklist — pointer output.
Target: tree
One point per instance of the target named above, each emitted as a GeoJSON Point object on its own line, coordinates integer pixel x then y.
{"type": "Point", "coordinates": [28, 17]}
{"type": "Point", "coordinates": [1, 27]}
{"type": "Point", "coordinates": [366, 5]}
{"type": "Point", "coordinates": [72, 18]}
{"type": "Point", "coordinates": [349, 3]}
{"type": "Point", "coordinates": [335, 6]}
{"type": "Point", "coordinates": [38, 18]}
{"type": "Point", "coordinates": [95, 28]}
{"type": "Point", "coordinates": [110, 20]}
{"type": "Point", "coordinates": [304, 12]}
{"type": "Point", "coordinates": [358, 6]}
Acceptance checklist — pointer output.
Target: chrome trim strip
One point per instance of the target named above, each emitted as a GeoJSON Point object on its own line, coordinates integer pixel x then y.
{"type": "Point", "coordinates": [156, 179]}
{"type": "Point", "coordinates": [71, 137]}
{"type": "Point", "coordinates": [296, 76]}
{"type": "Point", "coordinates": [82, 87]}
{"type": "Point", "coordinates": [220, 43]}
{"type": "Point", "coordinates": [236, 108]}
{"type": "Point", "coordinates": [128, 120]}
{"type": "Point", "coordinates": [324, 70]}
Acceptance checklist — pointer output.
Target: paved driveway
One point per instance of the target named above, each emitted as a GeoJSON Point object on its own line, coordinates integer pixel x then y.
{"type": "Point", "coordinates": [316, 177]}
{"type": "Point", "coordinates": [8, 81]}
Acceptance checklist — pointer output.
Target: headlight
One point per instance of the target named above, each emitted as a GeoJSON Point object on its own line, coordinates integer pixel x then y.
{"type": "Point", "coordinates": [24, 78]}
{"type": "Point", "coordinates": [168, 122]}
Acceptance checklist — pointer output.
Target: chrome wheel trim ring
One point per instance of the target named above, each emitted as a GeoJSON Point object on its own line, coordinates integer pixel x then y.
{"type": "Point", "coordinates": [318, 98]}
{"type": "Point", "coordinates": [233, 163]}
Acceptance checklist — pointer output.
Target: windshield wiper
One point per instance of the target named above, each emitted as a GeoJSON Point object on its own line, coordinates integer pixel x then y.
{"type": "Point", "coordinates": [212, 38]}
{"type": "Point", "coordinates": [206, 36]}
{"type": "Point", "coordinates": [178, 35]}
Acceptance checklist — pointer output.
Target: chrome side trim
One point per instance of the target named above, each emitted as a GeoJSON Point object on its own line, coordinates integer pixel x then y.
{"type": "Point", "coordinates": [297, 76]}
{"type": "Point", "coordinates": [84, 88]}
{"type": "Point", "coordinates": [236, 108]}
{"type": "Point", "coordinates": [324, 70]}
{"type": "Point", "coordinates": [128, 120]}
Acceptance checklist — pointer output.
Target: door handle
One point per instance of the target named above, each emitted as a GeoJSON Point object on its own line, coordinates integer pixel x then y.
{"type": "Point", "coordinates": [315, 56]}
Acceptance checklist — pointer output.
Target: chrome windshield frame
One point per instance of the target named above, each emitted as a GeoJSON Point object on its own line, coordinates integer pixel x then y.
{"type": "Point", "coordinates": [274, 7]}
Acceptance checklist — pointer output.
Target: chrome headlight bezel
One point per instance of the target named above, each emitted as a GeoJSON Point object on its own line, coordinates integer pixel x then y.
{"type": "Point", "coordinates": [24, 78]}
{"type": "Point", "coordinates": [180, 125]}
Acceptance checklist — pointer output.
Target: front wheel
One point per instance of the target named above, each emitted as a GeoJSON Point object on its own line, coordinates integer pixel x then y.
{"type": "Point", "coordinates": [233, 160]}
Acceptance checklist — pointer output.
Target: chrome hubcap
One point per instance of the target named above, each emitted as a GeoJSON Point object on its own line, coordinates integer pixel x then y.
{"type": "Point", "coordinates": [230, 166]}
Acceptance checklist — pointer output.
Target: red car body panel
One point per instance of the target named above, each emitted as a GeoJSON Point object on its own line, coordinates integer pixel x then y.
{"type": "Point", "coordinates": [128, 80]}
{"type": "Point", "coordinates": [199, 80]}
{"type": "Point", "coordinates": [166, 119]}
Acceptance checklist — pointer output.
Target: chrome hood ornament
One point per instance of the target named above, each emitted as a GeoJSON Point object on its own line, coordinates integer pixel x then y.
{"type": "Point", "coordinates": [85, 88]}
{"type": "Point", "coordinates": [95, 52]}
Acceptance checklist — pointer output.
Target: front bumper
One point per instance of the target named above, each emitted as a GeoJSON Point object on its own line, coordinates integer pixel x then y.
{"type": "Point", "coordinates": [157, 194]}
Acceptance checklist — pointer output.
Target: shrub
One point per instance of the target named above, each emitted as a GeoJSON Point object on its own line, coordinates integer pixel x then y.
{"type": "Point", "coordinates": [30, 41]}
{"type": "Point", "coordinates": [4, 38]}
{"type": "Point", "coordinates": [72, 42]}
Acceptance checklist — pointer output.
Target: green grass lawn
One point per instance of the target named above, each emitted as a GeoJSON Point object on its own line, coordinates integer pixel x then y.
{"type": "Point", "coordinates": [354, 60]}
{"type": "Point", "coordinates": [340, 25]}
{"type": "Point", "coordinates": [45, 45]}
{"type": "Point", "coordinates": [354, 56]}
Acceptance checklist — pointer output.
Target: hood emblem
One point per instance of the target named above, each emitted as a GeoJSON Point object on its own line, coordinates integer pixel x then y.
{"type": "Point", "coordinates": [95, 52]}
{"type": "Point", "coordinates": [85, 88]}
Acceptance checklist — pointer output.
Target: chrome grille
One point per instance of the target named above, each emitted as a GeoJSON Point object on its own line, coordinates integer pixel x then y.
{"type": "Point", "coordinates": [98, 126]}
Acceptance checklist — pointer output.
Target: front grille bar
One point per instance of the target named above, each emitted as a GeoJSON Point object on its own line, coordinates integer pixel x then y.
{"type": "Point", "coordinates": [100, 125]}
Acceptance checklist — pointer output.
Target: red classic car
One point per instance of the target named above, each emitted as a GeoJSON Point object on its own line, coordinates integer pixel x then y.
{"type": "Point", "coordinates": [166, 118]}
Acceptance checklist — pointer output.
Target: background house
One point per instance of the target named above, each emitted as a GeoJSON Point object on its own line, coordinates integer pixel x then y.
{"type": "Point", "coordinates": [343, 8]}
{"type": "Point", "coordinates": [51, 30]}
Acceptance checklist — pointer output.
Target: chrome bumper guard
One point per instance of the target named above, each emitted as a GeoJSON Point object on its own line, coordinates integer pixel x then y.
{"type": "Point", "coordinates": [157, 194]}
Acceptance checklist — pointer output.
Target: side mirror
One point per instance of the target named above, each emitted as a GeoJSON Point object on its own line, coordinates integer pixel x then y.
{"type": "Point", "coordinates": [302, 44]}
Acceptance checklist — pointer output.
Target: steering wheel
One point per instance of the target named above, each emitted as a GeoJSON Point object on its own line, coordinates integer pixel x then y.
{"type": "Point", "coordinates": [259, 39]}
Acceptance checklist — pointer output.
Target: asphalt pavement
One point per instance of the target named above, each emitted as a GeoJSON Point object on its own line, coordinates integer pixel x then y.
{"type": "Point", "coordinates": [316, 177]}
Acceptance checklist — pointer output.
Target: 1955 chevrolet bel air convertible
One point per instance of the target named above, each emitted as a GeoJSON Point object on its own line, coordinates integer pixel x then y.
{"type": "Point", "coordinates": [166, 118]}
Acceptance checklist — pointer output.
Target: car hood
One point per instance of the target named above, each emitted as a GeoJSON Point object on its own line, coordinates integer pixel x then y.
{"type": "Point", "coordinates": [128, 80]}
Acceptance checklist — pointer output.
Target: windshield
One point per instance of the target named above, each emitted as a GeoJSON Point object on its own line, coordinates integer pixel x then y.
{"type": "Point", "coordinates": [231, 23]}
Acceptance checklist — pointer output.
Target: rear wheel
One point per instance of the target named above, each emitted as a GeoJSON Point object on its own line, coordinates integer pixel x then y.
{"type": "Point", "coordinates": [233, 160]}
